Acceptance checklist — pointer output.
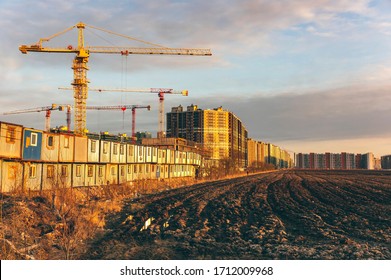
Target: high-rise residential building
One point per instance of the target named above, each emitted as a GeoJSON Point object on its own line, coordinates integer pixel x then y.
{"type": "Point", "coordinates": [218, 130]}
{"type": "Point", "coordinates": [335, 161]}
{"type": "Point", "coordinates": [386, 162]}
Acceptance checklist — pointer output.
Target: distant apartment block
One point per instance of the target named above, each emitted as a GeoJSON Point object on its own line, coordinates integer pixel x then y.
{"type": "Point", "coordinates": [335, 161]}
{"type": "Point", "coordinates": [386, 162]}
{"type": "Point", "coordinates": [219, 131]}
{"type": "Point", "coordinates": [260, 153]}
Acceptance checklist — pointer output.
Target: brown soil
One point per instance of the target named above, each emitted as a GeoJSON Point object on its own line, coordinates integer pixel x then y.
{"type": "Point", "coordinates": [280, 215]}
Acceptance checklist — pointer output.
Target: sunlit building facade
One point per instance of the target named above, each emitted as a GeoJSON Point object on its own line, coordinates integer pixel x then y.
{"type": "Point", "coordinates": [219, 131]}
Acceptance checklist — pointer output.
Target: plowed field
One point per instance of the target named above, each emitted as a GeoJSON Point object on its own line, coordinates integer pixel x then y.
{"type": "Point", "coordinates": [279, 215]}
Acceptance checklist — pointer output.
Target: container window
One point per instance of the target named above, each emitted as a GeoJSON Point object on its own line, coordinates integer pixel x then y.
{"type": "Point", "coordinates": [34, 139]}
{"type": "Point", "coordinates": [33, 171]}
{"type": "Point", "coordinates": [64, 170]}
{"type": "Point", "coordinates": [50, 171]}
{"type": "Point", "coordinates": [10, 136]}
{"type": "Point", "coordinates": [50, 142]}
{"type": "Point", "coordinates": [12, 171]}
{"type": "Point", "coordinates": [121, 149]}
{"type": "Point", "coordinates": [66, 142]}
{"type": "Point", "coordinates": [93, 146]}
{"type": "Point", "coordinates": [122, 170]}
{"type": "Point", "coordinates": [78, 170]}
{"type": "Point", "coordinates": [90, 171]}
{"type": "Point", "coordinates": [131, 150]}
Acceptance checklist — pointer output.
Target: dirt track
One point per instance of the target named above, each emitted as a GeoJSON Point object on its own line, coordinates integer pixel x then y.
{"type": "Point", "coordinates": [280, 215]}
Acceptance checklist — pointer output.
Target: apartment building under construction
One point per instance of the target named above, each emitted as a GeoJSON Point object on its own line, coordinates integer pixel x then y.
{"type": "Point", "coordinates": [219, 131]}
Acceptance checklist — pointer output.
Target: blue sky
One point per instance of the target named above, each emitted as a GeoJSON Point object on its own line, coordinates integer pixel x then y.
{"type": "Point", "coordinates": [310, 75]}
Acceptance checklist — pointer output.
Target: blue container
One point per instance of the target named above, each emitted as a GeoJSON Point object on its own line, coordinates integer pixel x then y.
{"type": "Point", "coordinates": [32, 144]}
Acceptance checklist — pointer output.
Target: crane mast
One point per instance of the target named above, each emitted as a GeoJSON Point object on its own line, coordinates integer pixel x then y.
{"type": "Point", "coordinates": [80, 63]}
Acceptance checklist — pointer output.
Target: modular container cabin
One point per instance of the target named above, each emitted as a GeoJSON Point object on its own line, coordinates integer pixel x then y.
{"type": "Point", "coordinates": [90, 175]}
{"type": "Point", "coordinates": [122, 176]}
{"type": "Point", "coordinates": [80, 154]}
{"type": "Point", "coordinates": [10, 140]}
{"type": "Point", "coordinates": [93, 150]}
{"type": "Point", "coordinates": [114, 157]}
{"type": "Point", "coordinates": [130, 158]}
{"type": "Point", "coordinates": [122, 153]}
{"type": "Point", "coordinates": [112, 174]}
{"type": "Point", "coordinates": [32, 177]}
{"type": "Point", "coordinates": [100, 174]}
{"type": "Point", "coordinates": [32, 144]}
{"type": "Point", "coordinates": [11, 176]}
{"type": "Point", "coordinates": [105, 151]}
{"type": "Point", "coordinates": [66, 148]}
{"type": "Point", "coordinates": [129, 172]}
{"type": "Point", "coordinates": [78, 173]}
{"type": "Point", "coordinates": [50, 147]}
{"type": "Point", "coordinates": [140, 154]}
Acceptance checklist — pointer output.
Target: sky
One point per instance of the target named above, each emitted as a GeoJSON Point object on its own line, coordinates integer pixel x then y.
{"type": "Point", "coordinates": [308, 76]}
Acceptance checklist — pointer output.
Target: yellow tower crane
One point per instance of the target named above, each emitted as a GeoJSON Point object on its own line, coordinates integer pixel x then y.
{"type": "Point", "coordinates": [80, 61]}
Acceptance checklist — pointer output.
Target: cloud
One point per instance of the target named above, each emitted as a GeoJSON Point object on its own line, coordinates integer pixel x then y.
{"type": "Point", "coordinates": [344, 113]}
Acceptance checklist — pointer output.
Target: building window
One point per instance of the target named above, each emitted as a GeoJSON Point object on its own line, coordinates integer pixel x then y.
{"type": "Point", "coordinates": [100, 171]}
{"type": "Point", "coordinates": [50, 171]}
{"type": "Point", "coordinates": [50, 142]}
{"type": "Point", "coordinates": [90, 171]}
{"type": "Point", "coordinates": [129, 169]}
{"type": "Point", "coordinates": [33, 171]}
{"type": "Point", "coordinates": [131, 150]}
{"type": "Point", "coordinates": [115, 149]}
{"type": "Point", "coordinates": [105, 147]}
{"type": "Point", "coordinates": [121, 149]}
{"type": "Point", "coordinates": [140, 168]}
{"type": "Point", "coordinates": [34, 139]}
{"type": "Point", "coordinates": [122, 170]}
{"type": "Point", "coordinates": [134, 168]}
{"type": "Point", "coordinates": [10, 136]}
{"type": "Point", "coordinates": [64, 170]}
{"type": "Point", "coordinates": [93, 146]}
{"type": "Point", "coordinates": [66, 142]}
{"type": "Point", "coordinates": [78, 170]}
{"type": "Point", "coordinates": [113, 170]}
{"type": "Point", "coordinates": [147, 169]}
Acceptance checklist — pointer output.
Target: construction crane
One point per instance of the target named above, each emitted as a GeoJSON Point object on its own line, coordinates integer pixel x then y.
{"type": "Point", "coordinates": [160, 91]}
{"type": "Point", "coordinates": [123, 108]}
{"type": "Point", "coordinates": [80, 62]}
{"type": "Point", "coordinates": [48, 110]}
